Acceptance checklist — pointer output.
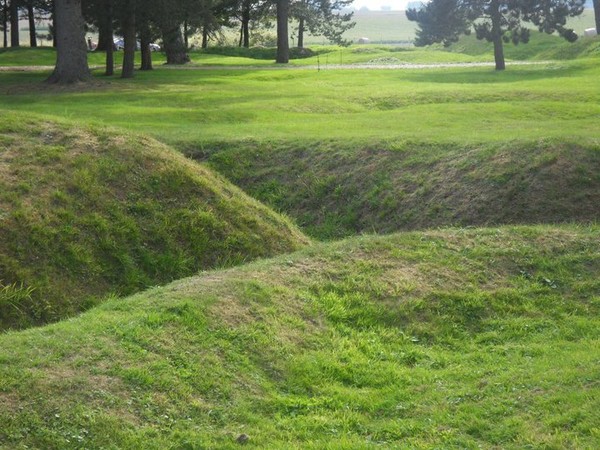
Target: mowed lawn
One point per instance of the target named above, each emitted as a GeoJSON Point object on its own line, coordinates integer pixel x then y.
{"type": "Point", "coordinates": [196, 107]}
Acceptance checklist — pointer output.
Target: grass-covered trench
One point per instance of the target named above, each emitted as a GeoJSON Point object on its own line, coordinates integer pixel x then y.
{"type": "Point", "coordinates": [481, 335]}
{"type": "Point", "coordinates": [486, 338]}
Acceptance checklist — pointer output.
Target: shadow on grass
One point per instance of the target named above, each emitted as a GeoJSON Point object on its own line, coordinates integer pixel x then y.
{"type": "Point", "coordinates": [512, 74]}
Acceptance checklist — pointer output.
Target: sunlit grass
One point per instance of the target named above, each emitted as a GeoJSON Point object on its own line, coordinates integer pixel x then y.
{"type": "Point", "coordinates": [480, 338]}
{"type": "Point", "coordinates": [200, 107]}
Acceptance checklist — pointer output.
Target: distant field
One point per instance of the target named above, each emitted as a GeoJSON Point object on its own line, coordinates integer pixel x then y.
{"type": "Point", "coordinates": [379, 27]}
{"type": "Point", "coordinates": [393, 27]}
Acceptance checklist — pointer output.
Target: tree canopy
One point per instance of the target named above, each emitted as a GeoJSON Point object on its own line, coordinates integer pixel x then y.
{"type": "Point", "coordinates": [497, 21]}
{"type": "Point", "coordinates": [141, 22]}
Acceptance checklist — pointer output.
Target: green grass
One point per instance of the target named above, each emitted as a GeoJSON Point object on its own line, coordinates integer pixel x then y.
{"type": "Point", "coordinates": [88, 212]}
{"type": "Point", "coordinates": [482, 338]}
{"type": "Point", "coordinates": [196, 108]}
{"type": "Point", "coordinates": [333, 190]}
{"type": "Point", "coordinates": [447, 338]}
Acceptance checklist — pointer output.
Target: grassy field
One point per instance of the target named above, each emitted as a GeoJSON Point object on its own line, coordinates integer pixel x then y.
{"type": "Point", "coordinates": [486, 338]}
{"type": "Point", "coordinates": [437, 338]}
{"type": "Point", "coordinates": [207, 107]}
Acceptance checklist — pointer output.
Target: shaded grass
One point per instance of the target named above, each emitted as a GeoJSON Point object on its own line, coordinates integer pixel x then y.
{"type": "Point", "coordinates": [480, 338]}
{"type": "Point", "coordinates": [87, 212]}
{"type": "Point", "coordinates": [541, 47]}
{"type": "Point", "coordinates": [333, 191]}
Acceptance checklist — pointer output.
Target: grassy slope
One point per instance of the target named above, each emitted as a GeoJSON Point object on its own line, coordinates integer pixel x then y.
{"type": "Point", "coordinates": [87, 212]}
{"type": "Point", "coordinates": [479, 338]}
{"type": "Point", "coordinates": [335, 191]}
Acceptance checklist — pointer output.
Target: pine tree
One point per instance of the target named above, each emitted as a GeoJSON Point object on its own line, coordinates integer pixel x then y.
{"type": "Point", "coordinates": [71, 50]}
{"type": "Point", "coordinates": [497, 21]}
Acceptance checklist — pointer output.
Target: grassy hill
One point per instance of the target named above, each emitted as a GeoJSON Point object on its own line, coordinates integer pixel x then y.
{"type": "Point", "coordinates": [87, 211]}
{"type": "Point", "coordinates": [335, 191]}
{"type": "Point", "coordinates": [481, 338]}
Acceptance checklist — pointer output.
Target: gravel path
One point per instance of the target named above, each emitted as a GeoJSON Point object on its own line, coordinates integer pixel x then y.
{"type": "Point", "coordinates": [365, 66]}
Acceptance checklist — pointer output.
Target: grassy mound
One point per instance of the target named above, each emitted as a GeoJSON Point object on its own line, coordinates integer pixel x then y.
{"type": "Point", "coordinates": [335, 192]}
{"type": "Point", "coordinates": [85, 213]}
{"type": "Point", "coordinates": [483, 338]}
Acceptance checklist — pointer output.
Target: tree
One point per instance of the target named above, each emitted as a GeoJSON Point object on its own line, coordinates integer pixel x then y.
{"type": "Point", "coordinates": [283, 42]}
{"type": "Point", "coordinates": [497, 21]}
{"type": "Point", "coordinates": [31, 18]}
{"type": "Point", "coordinates": [71, 50]}
{"type": "Point", "coordinates": [441, 21]}
{"type": "Point", "coordinates": [323, 18]}
{"type": "Point", "coordinates": [242, 12]}
{"type": "Point", "coordinates": [4, 12]}
{"type": "Point", "coordinates": [596, 4]}
{"type": "Point", "coordinates": [128, 14]}
{"type": "Point", "coordinates": [14, 24]}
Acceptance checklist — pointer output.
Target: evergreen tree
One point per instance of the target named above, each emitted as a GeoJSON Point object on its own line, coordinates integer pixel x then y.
{"type": "Point", "coordinates": [283, 41]}
{"type": "Point", "coordinates": [71, 50]}
{"type": "Point", "coordinates": [439, 21]}
{"type": "Point", "coordinates": [323, 18]}
{"type": "Point", "coordinates": [497, 21]}
{"type": "Point", "coordinates": [597, 15]}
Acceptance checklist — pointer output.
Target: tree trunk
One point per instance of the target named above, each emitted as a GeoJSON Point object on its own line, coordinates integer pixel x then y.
{"type": "Point", "coordinates": [54, 23]}
{"type": "Point", "coordinates": [301, 33]}
{"type": "Point", "coordinates": [145, 49]}
{"type": "Point", "coordinates": [14, 24]}
{"type": "Point", "coordinates": [71, 50]}
{"type": "Point", "coordinates": [204, 37]}
{"type": "Point", "coordinates": [174, 47]}
{"type": "Point", "coordinates": [497, 35]}
{"type": "Point", "coordinates": [32, 33]}
{"type": "Point", "coordinates": [283, 43]}
{"type": "Point", "coordinates": [186, 40]}
{"type": "Point", "coordinates": [246, 25]}
{"type": "Point", "coordinates": [597, 15]}
{"type": "Point", "coordinates": [109, 41]}
{"type": "Point", "coordinates": [103, 40]}
{"type": "Point", "coordinates": [5, 23]}
{"type": "Point", "coordinates": [129, 45]}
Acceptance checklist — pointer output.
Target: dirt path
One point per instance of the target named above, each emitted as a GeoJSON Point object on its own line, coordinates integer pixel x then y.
{"type": "Point", "coordinates": [365, 66]}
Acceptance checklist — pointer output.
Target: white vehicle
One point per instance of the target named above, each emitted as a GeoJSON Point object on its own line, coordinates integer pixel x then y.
{"type": "Point", "coordinates": [120, 45]}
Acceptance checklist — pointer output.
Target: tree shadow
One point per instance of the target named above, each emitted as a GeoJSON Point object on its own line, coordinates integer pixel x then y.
{"type": "Point", "coordinates": [512, 74]}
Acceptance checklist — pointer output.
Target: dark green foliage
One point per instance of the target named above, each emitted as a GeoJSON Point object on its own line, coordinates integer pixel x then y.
{"type": "Point", "coordinates": [439, 21]}
{"type": "Point", "coordinates": [497, 21]}
{"type": "Point", "coordinates": [323, 18]}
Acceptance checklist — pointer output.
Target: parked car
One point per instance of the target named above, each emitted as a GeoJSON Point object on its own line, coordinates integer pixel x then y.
{"type": "Point", "coordinates": [120, 45]}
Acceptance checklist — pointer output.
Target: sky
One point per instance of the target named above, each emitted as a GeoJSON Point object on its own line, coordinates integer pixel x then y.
{"type": "Point", "coordinates": [375, 5]}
